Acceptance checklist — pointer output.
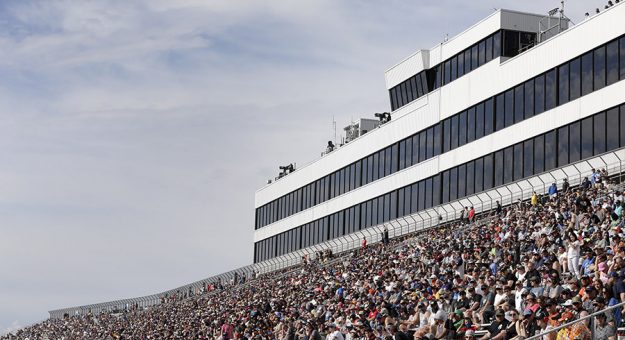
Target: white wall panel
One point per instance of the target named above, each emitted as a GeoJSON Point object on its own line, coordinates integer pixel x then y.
{"type": "Point", "coordinates": [407, 68]}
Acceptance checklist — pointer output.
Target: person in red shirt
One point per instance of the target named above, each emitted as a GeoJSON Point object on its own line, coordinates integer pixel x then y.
{"type": "Point", "coordinates": [471, 215]}
{"type": "Point", "coordinates": [364, 243]}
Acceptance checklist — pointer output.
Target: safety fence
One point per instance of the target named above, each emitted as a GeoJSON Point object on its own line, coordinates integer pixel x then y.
{"type": "Point", "coordinates": [483, 203]}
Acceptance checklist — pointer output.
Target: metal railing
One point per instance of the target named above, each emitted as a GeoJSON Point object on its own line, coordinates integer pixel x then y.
{"type": "Point", "coordinates": [482, 202]}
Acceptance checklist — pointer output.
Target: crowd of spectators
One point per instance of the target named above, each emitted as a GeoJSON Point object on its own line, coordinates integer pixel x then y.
{"type": "Point", "coordinates": [527, 268]}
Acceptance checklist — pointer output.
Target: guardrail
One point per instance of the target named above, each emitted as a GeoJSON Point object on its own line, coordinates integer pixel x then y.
{"type": "Point", "coordinates": [483, 202]}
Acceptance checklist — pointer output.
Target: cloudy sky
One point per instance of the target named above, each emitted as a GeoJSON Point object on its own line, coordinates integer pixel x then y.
{"type": "Point", "coordinates": [133, 134]}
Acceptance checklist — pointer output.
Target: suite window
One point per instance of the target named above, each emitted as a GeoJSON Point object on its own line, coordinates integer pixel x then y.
{"type": "Point", "coordinates": [489, 117]}
{"type": "Point", "coordinates": [420, 90]}
{"type": "Point", "coordinates": [402, 92]}
{"type": "Point", "coordinates": [381, 163]}
{"type": "Point", "coordinates": [479, 175]}
{"type": "Point", "coordinates": [428, 193]}
{"type": "Point", "coordinates": [437, 140]}
{"type": "Point", "coordinates": [416, 89]}
{"type": "Point", "coordinates": [400, 202]}
{"type": "Point", "coordinates": [414, 204]}
{"type": "Point", "coordinates": [479, 120]}
{"type": "Point", "coordinates": [482, 52]}
{"type": "Point", "coordinates": [453, 184]}
{"type": "Point", "coordinates": [488, 171]}
{"type": "Point", "coordinates": [529, 98]}
{"type": "Point", "coordinates": [454, 67]}
{"type": "Point", "coordinates": [563, 81]}
{"type": "Point", "coordinates": [497, 45]}
{"type": "Point", "coordinates": [550, 150]}
{"type": "Point", "coordinates": [470, 178]}
{"type": "Point", "coordinates": [462, 177]}
{"type": "Point", "coordinates": [539, 94]}
{"type": "Point", "coordinates": [599, 67]}
{"type": "Point", "coordinates": [402, 154]}
{"type": "Point", "coordinates": [509, 168]}
{"type": "Point", "coordinates": [575, 139]}
{"type": "Point", "coordinates": [575, 78]}
{"type": "Point", "coordinates": [489, 49]}
{"type": "Point", "coordinates": [509, 108]}
{"type": "Point", "coordinates": [510, 43]}
{"type": "Point", "coordinates": [587, 77]}
{"type": "Point", "coordinates": [376, 166]}
{"type": "Point", "coordinates": [622, 58]}
{"type": "Point", "coordinates": [447, 71]}
{"type": "Point", "coordinates": [612, 62]}
{"type": "Point", "coordinates": [454, 132]}
{"type": "Point", "coordinates": [462, 128]}
{"type": "Point", "coordinates": [356, 175]}
{"type": "Point", "coordinates": [370, 167]}
{"type": "Point", "coordinates": [436, 190]}
{"type": "Point", "coordinates": [422, 197]}
{"type": "Point", "coordinates": [612, 132]}
{"type": "Point", "coordinates": [471, 124]}
{"type": "Point", "coordinates": [498, 169]}
{"type": "Point", "coordinates": [415, 149]}
{"type": "Point", "coordinates": [422, 146]}
{"type": "Point", "coordinates": [446, 135]}
{"type": "Point", "coordinates": [387, 207]}
{"type": "Point", "coordinates": [528, 158]}
{"type": "Point", "coordinates": [474, 57]}
{"type": "Point", "coordinates": [622, 125]}
{"type": "Point", "coordinates": [393, 205]}
{"type": "Point", "coordinates": [587, 138]}
{"type": "Point", "coordinates": [519, 100]}
{"type": "Point", "coordinates": [408, 154]}
{"type": "Point", "coordinates": [409, 89]}
{"type": "Point", "coordinates": [467, 61]}
{"type": "Point", "coordinates": [551, 88]}
{"type": "Point", "coordinates": [445, 187]}
{"type": "Point", "coordinates": [430, 142]}
{"type": "Point", "coordinates": [499, 112]}
{"type": "Point", "coordinates": [408, 200]}
{"type": "Point", "coordinates": [391, 94]}
{"type": "Point", "coordinates": [563, 146]}
{"type": "Point", "coordinates": [518, 161]}
{"type": "Point", "coordinates": [539, 154]}
{"type": "Point", "coordinates": [460, 64]}
{"type": "Point", "coordinates": [599, 133]}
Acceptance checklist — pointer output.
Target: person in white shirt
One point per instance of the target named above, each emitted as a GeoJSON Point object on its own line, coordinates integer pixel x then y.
{"type": "Point", "coordinates": [573, 250]}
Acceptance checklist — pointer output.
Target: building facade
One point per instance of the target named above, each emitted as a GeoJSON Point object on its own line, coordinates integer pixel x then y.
{"type": "Point", "coordinates": [502, 101]}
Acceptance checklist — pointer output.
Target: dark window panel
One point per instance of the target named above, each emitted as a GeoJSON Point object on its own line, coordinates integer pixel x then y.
{"type": "Point", "coordinates": [437, 139]}
{"type": "Point", "coordinates": [479, 121]}
{"type": "Point", "coordinates": [414, 198]}
{"type": "Point", "coordinates": [471, 124]}
{"type": "Point", "coordinates": [539, 154]}
{"type": "Point", "coordinates": [599, 133]}
{"type": "Point", "coordinates": [446, 135]}
{"type": "Point", "coordinates": [539, 94]}
{"type": "Point", "coordinates": [428, 193]}
{"type": "Point", "coordinates": [408, 200]}
{"type": "Point", "coordinates": [447, 72]}
{"type": "Point", "coordinates": [420, 90]}
{"type": "Point", "coordinates": [376, 166]}
{"type": "Point", "coordinates": [422, 146]}
{"type": "Point", "coordinates": [621, 45]}
{"type": "Point", "coordinates": [612, 62]}
{"type": "Point", "coordinates": [388, 161]}
{"type": "Point", "coordinates": [393, 205]}
{"type": "Point", "coordinates": [599, 68]}
{"type": "Point", "coordinates": [381, 162]}
{"type": "Point", "coordinates": [462, 128]}
{"type": "Point", "coordinates": [411, 94]}
{"type": "Point", "coordinates": [370, 167]}
{"type": "Point", "coordinates": [474, 57]}
{"type": "Point", "coordinates": [454, 132]}
{"type": "Point", "coordinates": [470, 179]}
{"type": "Point", "coordinates": [482, 52]}
{"type": "Point", "coordinates": [550, 150]}
{"type": "Point", "coordinates": [387, 207]}
{"type": "Point", "coordinates": [368, 214]}
{"type": "Point", "coordinates": [612, 129]}
{"type": "Point", "coordinates": [391, 94]}
{"type": "Point", "coordinates": [508, 159]}
{"type": "Point", "coordinates": [587, 138]}
{"type": "Point", "coordinates": [400, 202]}
{"type": "Point", "coordinates": [563, 84]}
{"type": "Point", "coordinates": [499, 168]}
{"type": "Point", "coordinates": [467, 61]}
{"type": "Point", "coordinates": [509, 108]}
{"type": "Point", "coordinates": [551, 90]}
{"type": "Point", "coordinates": [430, 143]}
{"type": "Point", "coordinates": [575, 140]}
{"type": "Point", "coordinates": [499, 112]}
{"type": "Point", "coordinates": [519, 100]}
{"type": "Point", "coordinates": [510, 43]}
{"type": "Point", "coordinates": [454, 68]}
{"type": "Point", "coordinates": [394, 157]}
{"type": "Point", "coordinates": [489, 116]}
{"type": "Point", "coordinates": [479, 175]}
{"type": "Point", "coordinates": [497, 45]}
{"type": "Point", "coordinates": [453, 184]}
{"type": "Point", "coordinates": [563, 146]}
{"type": "Point", "coordinates": [436, 190]}
{"type": "Point", "coordinates": [575, 79]}
{"type": "Point", "coordinates": [518, 161]}
{"type": "Point", "coordinates": [403, 98]}
{"type": "Point", "coordinates": [462, 181]}
{"type": "Point", "coordinates": [489, 49]}
{"type": "Point", "coordinates": [587, 76]}
{"type": "Point", "coordinates": [422, 197]}
{"type": "Point", "coordinates": [402, 154]}
{"type": "Point", "coordinates": [529, 98]}
{"type": "Point", "coordinates": [408, 154]}
{"type": "Point", "coordinates": [423, 82]}
{"type": "Point", "coordinates": [445, 187]}
{"type": "Point", "coordinates": [622, 125]}
{"type": "Point", "coordinates": [528, 158]}
{"type": "Point", "coordinates": [460, 65]}
{"type": "Point", "coordinates": [415, 149]}
{"type": "Point", "coordinates": [488, 171]}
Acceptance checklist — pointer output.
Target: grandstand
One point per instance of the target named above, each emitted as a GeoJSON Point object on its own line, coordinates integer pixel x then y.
{"type": "Point", "coordinates": [498, 183]}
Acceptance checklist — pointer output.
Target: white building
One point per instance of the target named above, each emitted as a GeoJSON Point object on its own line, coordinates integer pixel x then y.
{"type": "Point", "coordinates": [501, 102]}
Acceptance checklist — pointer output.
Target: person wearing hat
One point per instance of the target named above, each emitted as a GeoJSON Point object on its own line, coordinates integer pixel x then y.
{"type": "Point", "coordinates": [497, 328]}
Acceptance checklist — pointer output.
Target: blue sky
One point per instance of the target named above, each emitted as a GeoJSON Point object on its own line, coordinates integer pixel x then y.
{"type": "Point", "coordinates": [133, 134]}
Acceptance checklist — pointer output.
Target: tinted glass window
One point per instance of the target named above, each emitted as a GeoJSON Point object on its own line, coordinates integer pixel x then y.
{"type": "Point", "coordinates": [587, 78]}
{"type": "Point", "coordinates": [510, 43]}
{"type": "Point", "coordinates": [415, 149]}
{"type": "Point", "coordinates": [518, 161]}
{"type": "Point", "coordinates": [422, 146]}
{"type": "Point", "coordinates": [479, 121]}
{"type": "Point", "coordinates": [550, 90]}
{"type": "Point", "coordinates": [612, 62]}
{"type": "Point", "coordinates": [460, 64]}
{"type": "Point", "coordinates": [474, 57]}
{"type": "Point", "coordinates": [539, 154]}
{"type": "Point", "coordinates": [539, 94]}
{"type": "Point", "coordinates": [428, 193]}
{"type": "Point", "coordinates": [587, 148]}
{"type": "Point", "coordinates": [414, 199]}
{"type": "Point", "coordinates": [599, 133]}
{"type": "Point", "coordinates": [497, 45]}
{"type": "Point", "coordinates": [519, 100]}
{"type": "Point", "coordinates": [498, 168]}
{"type": "Point", "coordinates": [612, 132]}
{"type": "Point", "coordinates": [445, 187]}
{"type": "Point", "coordinates": [479, 175]}
{"type": "Point", "coordinates": [391, 94]}
{"type": "Point", "coordinates": [437, 140]}
{"type": "Point", "coordinates": [470, 182]}
{"type": "Point", "coordinates": [402, 154]}
{"type": "Point", "coordinates": [453, 187]}
{"type": "Point", "coordinates": [563, 145]}
{"type": "Point", "coordinates": [462, 128]}
{"type": "Point", "coordinates": [489, 117]}
{"type": "Point", "coordinates": [447, 71]}
{"type": "Point", "coordinates": [471, 124]}
{"type": "Point", "coordinates": [622, 125]}
{"type": "Point", "coordinates": [508, 158]}
{"type": "Point", "coordinates": [454, 67]}
{"type": "Point", "coordinates": [446, 135]}
{"type": "Point", "coordinates": [575, 151]}
{"type": "Point", "coordinates": [621, 45]}
{"type": "Point", "coordinates": [489, 49]}
{"type": "Point", "coordinates": [462, 177]}
{"type": "Point", "coordinates": [529, 98]}
{"type": "Point", "coordinates": [420, 89]}
{"type": "Point", "coordinates": [454, 132]}
{"type": "Point", "coordinates": [575, 79]}
{"type": "Point", "coordinates": [436, 190]}
{"type": "Point", "coordinates": [408, 152]}
{"type": "Point", "coordinates": [488, 171]}
{"type": "Point", "coordinates": [528, 158]}
{"type": "Point", "coordinates": [599, 68]}
{"type": "Point", "coordinates": [482, 52]}
{"type": "Point", "coordinates": [430, 142]}
{"type": "Point", "coordinates": [499, 112]}
{"type": "Point", "coordinates": [509, 108]}
{"type": "Point", "coordinates": [550, 150]}
{"type": "Point", "coordinates": [467, 61]}
{"type": "Point", "coordinates": [563, 81]}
